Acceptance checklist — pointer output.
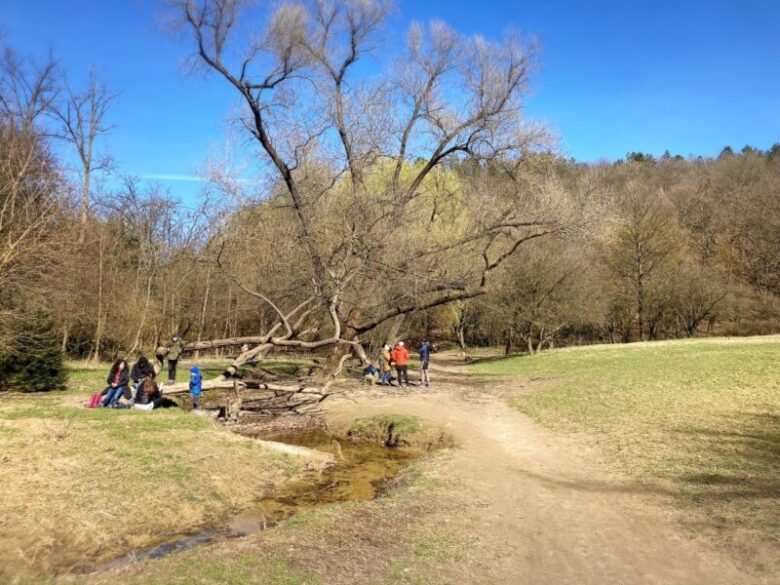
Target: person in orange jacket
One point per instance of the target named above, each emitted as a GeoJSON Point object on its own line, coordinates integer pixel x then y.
{"type": "Point", "coordinates": [401, 360]}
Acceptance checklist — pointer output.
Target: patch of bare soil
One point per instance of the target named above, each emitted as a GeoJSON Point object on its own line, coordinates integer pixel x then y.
{"type": "Point", "coordinates": [544, 509]}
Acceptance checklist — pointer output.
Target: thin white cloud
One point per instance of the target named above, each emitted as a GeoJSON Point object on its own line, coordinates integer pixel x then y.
{"type": "Point", "coordinates": [170, 177]}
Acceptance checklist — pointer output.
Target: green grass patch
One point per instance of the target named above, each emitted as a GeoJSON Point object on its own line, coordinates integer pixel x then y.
{"type": "Point", "coordinates": [699, 419]}
{"type": "Point", "coordinates": [390, 430]}
{"type": "Point", "coordinates": [204, 568]}
{"type": "Point", "coordinates": [402, 424]}
{"type": "Point", "coordinates": [70, 474]}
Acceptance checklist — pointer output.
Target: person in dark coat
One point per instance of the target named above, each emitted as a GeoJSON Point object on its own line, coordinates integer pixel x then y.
{"type": "Point", "coordinates": [425, 359]}
{"type": "Point", "coordinates": [174, 353]}
{"type": "Point", "coordinates": [141, 370]}
{"type": "Point", "coordinates": [117, 380]}
{"type": "Point", "coordinates": [149, 395]}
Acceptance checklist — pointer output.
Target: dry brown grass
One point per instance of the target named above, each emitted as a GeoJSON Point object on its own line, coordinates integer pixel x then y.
{"type": "Point", "coordinates": [403, 538]}
{"type": "Point", "coordinates": [80, 486]}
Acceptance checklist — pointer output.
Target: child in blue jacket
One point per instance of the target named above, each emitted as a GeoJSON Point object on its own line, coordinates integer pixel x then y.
{"type": "Point", "coordinates": [196, 382]}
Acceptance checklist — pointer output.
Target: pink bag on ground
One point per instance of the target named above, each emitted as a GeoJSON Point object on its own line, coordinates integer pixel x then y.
{"type": "Point", "coordinates": [94, 400]}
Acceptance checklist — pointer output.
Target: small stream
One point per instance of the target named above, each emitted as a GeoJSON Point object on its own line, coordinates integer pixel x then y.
{"type": "Point", "coordinates": [361, 472]}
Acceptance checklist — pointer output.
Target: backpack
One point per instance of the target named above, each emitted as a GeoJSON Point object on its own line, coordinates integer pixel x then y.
{"type": "Point", "coordinates": [94, 400]}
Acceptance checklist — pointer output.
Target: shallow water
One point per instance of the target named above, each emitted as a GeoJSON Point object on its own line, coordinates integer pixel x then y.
{"type": "Point", "coordinates": [360, 472]}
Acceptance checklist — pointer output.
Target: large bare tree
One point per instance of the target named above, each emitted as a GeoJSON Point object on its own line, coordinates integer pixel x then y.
{"type": "Point", "coordinates": [31, 186]}
{"type": "Point", "coordinates": [82, 117]}
{"type": "Point", "coordinates": [402, 173]}
{"type": "Point", "coordinates": [27, 174]}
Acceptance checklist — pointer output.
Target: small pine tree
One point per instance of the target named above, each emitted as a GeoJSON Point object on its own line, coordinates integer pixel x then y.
{"type": "Point", "coordinates": [33, 361]}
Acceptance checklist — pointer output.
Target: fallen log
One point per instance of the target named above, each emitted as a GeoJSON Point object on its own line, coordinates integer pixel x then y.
{"type": "Point", "coordinates": [222, 383]}
{"type": "Point", "coordinates": [219, 383]}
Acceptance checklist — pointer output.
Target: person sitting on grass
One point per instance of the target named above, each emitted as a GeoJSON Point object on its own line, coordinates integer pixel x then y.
{"type": "Point", "coordinates": [370, 373]}
{"type": "Point", "coordinates": [196, 386]}
{"type": "Point", "coordinates": [148, 396]}
{"type": "Point", "coordinates": [117, 387]}
{"type": "Point", "coordinates": [141, 370]}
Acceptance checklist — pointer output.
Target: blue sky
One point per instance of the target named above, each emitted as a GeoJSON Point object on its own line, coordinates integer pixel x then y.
{"type": "Point", "coordinates": [689, 75]}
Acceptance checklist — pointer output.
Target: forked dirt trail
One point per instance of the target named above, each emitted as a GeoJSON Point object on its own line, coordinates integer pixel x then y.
{"type": "Point", "coordinates": [544, 510]}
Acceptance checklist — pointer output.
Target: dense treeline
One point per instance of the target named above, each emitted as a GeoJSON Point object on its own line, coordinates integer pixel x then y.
{"type": "Point", "coordinates": [678, 248]}
{"type": "Point", "coordinates": [643, 248]}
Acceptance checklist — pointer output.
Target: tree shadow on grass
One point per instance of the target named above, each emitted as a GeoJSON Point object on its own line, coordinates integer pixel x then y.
{"type": "Point", "coordinates": [724, 477]}
{"type": "Point", "coordinates": [732, 475]}
{"type": "Point", "coordinates": [592, 485]}
{"type": "Point", "coordinates": [742, 452]}
{"type": "Point", "coordinates": [490, 359]}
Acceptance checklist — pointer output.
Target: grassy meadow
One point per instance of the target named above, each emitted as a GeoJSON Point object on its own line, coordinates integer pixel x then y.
{"type": "Point", "coordinates": [82, 483]}
{"type": "Point", "coordinates": [697, 419]}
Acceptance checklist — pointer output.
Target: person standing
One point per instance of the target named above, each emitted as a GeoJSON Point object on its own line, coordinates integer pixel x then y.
{"type": "Point", "coordinates": [386, 362]}
{"type": "Point", "coordinates": [425, 358]}
{"type": "Point", "coordinates": [400, 357]}
{"type": "Point", "coordinates": [196, 386]}
{"type": "Point", "coordinates": [174, 353]}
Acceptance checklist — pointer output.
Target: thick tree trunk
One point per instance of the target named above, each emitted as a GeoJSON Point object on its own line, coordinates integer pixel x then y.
{"type": "Point", "coordinates": [84, 203]}
{"type": "Point", "coordinates": [139, 331]}
{"type": "Point", "coordinates": [339, 352]}
{"type": "Point", "coordinates": [203, 309]}
{"type": "Point", "coordinates": [395, 329]}
{"type": "Point", "coordinates": [99, 328]}
{"type": "Point", "coordinates": [540, 345]}
{"type": "Point", "coordinates": [65, 335]}
{"type": "Point", "coordinates": [640, 303]}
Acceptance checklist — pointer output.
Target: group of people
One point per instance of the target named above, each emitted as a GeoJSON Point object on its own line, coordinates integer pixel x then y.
{"type": "Point", "coordinates": [145, 394]}
{"type": "Point", "coordinates": [398, 358]}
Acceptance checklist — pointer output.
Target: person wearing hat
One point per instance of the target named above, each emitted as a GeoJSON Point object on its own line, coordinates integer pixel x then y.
{"type": "Point", "coordinates": [141, 370]}
{"type": "Point", "coordinates": [174, 353]}
{"type": "Point", "coordinates": [386, 361]}
{"type": "Point", "coordinates": [196, 387]}
{"type": "Point", "coordinates": [401, 359]}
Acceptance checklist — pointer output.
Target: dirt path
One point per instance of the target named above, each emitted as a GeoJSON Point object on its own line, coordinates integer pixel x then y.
{"type": "Point", "coordinates": [545, 511]}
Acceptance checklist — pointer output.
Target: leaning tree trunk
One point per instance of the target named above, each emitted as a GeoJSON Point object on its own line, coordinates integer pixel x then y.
{"type": "Point", "coordinates": [395, 329]}
{"type": "Point", "coordinates": [460, 332]}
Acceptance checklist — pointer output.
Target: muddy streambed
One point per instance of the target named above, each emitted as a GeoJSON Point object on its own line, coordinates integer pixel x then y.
{"type": "Point", "coordinates": [361, 471]}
